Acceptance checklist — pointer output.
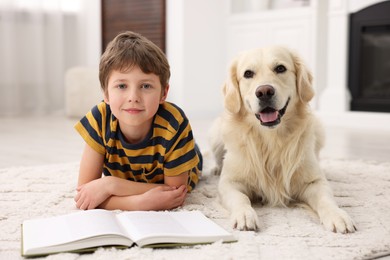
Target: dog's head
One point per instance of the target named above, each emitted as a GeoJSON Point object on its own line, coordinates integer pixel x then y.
{"type": "Point", "coordinates": [265, 83]}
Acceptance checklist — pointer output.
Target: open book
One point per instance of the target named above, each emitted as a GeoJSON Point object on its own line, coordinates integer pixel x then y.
{"type": "Point", "coordinates": [84, 231]}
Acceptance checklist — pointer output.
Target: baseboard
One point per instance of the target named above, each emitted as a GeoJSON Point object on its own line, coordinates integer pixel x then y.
{"type": "Point", "coordinates": [361, 120]}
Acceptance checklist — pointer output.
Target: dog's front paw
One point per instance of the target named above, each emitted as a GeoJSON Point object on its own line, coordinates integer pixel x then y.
{"type": "Point", "coordinates": [337, 220]}
{"type": "Point", "coordinates": [245, 219]}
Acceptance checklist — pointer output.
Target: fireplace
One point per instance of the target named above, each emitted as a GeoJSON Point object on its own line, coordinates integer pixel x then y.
{"type": "Point", "coordinates": [369, 58]}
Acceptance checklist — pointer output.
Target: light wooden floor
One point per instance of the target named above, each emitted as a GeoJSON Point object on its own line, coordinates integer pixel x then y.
{"type": "Point", "coordinates": [47, 140]}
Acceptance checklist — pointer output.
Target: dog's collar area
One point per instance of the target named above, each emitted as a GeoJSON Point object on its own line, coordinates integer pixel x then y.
{"type": "Point", "coordinates": [270, 117]}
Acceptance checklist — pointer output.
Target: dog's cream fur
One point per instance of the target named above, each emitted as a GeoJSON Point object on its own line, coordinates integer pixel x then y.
{"type": "Point", "coordinates": [276, 164]}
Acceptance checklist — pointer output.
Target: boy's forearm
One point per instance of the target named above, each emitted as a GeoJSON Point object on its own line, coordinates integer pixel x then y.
{"type": "Point", "coordinates": [122, 203]}
{"type": "Point", "coordinates": [160, 198]}
{"type": "Point", "coordinates": [129, 203]}
{"type": "Point", "coordinates": [122, 187]}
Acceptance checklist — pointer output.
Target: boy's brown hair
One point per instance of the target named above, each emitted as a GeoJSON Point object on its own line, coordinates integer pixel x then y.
{"type": "Point", "coordinates": [130, 49]}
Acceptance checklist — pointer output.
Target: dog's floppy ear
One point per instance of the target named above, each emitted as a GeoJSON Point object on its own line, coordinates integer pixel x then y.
{"type": "Point", "coordinates": [231, 90]}
{"type": "Point", "coordinates": [304, 80]}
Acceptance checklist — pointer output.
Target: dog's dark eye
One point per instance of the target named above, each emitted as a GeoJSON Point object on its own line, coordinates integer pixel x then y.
{"type": "Point", "coordinates": [248, 74]}
{"type": "Point", "coordinates": [280, 69]}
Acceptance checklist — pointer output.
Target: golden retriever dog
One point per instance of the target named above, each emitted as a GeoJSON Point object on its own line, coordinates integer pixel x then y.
{"type": "Point", "coordinates": [267, 142]}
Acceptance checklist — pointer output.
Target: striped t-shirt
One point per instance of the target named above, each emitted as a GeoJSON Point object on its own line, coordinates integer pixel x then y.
{"type": "Point", "coordinates": [169, 147]}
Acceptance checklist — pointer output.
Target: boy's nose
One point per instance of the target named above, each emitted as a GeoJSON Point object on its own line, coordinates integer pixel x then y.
{"type": "Point", "coordinates": [133, 95]}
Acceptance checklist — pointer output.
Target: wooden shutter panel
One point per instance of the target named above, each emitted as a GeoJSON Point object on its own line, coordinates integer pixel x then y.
{"type": "Point", "coordinates": [146, 17]}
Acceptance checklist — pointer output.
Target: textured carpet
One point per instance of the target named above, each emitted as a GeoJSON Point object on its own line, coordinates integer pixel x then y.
{"type": "Point", "coordinates": [361, 188]}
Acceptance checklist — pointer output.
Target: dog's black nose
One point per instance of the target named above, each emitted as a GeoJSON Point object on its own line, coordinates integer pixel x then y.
{"type": "Point", "coordinates": [265, 92]}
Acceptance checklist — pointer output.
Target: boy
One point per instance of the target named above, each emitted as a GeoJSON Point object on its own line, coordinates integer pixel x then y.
{"type": "Point", "coordinates": [142, 144]}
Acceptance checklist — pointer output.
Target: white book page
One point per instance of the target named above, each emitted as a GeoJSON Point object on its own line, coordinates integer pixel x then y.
{"type": "Point", "coordinates": [141, 224]}
{"type": "Point", "coordinates": [187, 225]}
{"type": "Point", "coordinates": [198, 224]}
{"type": "Point", "coordinates": [66, 228]}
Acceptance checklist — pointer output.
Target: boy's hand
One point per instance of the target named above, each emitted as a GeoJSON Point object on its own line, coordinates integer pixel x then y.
{"type": "Point", "coordinates": [91, 194]}
{"type": "Point", "coordinates": [163, 198]}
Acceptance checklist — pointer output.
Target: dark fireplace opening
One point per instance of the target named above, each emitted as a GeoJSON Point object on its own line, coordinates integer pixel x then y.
{"type": "Point", "coordinates": [369, 58]}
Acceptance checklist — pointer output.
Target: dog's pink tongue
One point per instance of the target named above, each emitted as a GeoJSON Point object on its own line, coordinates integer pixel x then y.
{"type": "Point", "coordinates": [269, 116]}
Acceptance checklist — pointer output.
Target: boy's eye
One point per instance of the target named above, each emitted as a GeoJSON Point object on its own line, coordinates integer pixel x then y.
{"type": "Point", "coordinates": [121, 86]}
{"type": "Point", "coordinates": [146, 86]}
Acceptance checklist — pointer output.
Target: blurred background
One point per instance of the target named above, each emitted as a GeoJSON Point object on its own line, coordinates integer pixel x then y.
{"type": "Point", "coordinates": [50, 50]}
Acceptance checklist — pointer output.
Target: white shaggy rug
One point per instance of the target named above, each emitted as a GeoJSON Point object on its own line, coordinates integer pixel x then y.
{"type": "Point", "coordinates": [361, 188]}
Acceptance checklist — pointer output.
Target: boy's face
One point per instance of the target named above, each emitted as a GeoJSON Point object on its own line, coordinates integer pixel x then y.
{"type": "Point", "coordinates": [134, 98]}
